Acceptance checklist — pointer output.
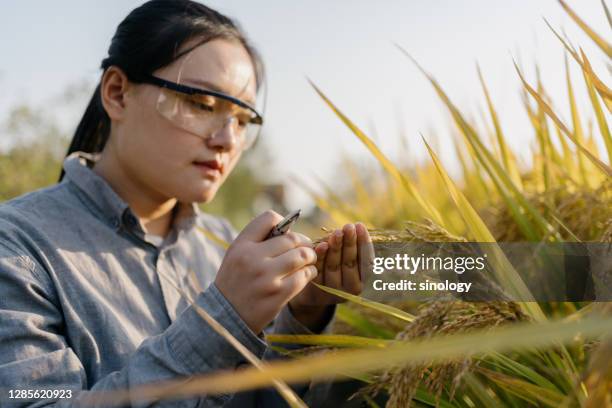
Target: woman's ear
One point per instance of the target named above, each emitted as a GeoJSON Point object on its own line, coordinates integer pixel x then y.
{"type": "Point", "coordinates": [113, 92]}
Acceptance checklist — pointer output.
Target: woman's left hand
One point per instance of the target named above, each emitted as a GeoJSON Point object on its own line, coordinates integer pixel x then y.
{"type": "Point", "coordinates": [342, 262]}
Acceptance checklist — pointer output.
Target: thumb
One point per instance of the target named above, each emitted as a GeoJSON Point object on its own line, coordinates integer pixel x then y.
{"type": "Point", "coordinates": [260, 226]}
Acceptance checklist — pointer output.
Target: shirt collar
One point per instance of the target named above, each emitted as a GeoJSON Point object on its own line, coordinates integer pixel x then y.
{"type": "Point", "coordinates": [78, 169]}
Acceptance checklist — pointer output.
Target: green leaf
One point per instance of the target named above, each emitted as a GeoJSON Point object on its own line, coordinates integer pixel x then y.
{"type": "Point", "coordinates": [531, 393]}
{"type": "Point", "coordinates": [522, 370]}
{"type": "Point", "coordinates": [360, 323]}
{"type": "Point", "coordinates": [480, 392]}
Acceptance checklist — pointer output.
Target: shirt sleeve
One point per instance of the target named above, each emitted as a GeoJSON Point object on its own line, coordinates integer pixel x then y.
{"type": "Point", "coordinates": [35, 353]}
{"type": "Point", "coordinates": [285, 323]}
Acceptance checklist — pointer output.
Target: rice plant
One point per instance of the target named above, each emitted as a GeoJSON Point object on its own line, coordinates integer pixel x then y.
{"type": "Point", "coordinates": [467, 354]}
{"type": "Point", "coordinates": [565, 195]}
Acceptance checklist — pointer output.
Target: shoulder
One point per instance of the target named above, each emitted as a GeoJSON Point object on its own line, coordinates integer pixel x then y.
{"type": "Point", "coordinates": [23, 222]}
{"type": "Point", "coordinates": [27, 207]}
{"type": "Point", "coordinates": [38, 203]}
{"type": "Point", "coordinates": [31, 215]}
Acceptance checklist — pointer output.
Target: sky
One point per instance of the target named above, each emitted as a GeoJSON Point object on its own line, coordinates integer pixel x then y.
{"type": "Point", "coordinates": [347, 48]}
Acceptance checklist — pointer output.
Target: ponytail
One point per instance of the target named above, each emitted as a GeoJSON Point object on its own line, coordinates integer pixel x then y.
{"type": "Point", "coordinates": [92, 132]}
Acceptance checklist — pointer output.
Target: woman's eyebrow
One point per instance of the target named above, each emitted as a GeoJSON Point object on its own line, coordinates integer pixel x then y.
{"type": "Point", "coordinates": [212, 87]}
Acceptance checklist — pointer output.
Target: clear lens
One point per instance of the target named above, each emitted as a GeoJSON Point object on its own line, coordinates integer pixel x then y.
{"type": "Point", "coordinates": [205, 115]}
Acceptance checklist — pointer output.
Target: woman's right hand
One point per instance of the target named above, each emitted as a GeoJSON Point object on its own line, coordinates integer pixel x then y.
{"type": "Point", "coordinates": [259, 277]}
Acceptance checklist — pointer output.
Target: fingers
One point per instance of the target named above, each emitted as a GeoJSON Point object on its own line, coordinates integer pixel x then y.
{"type": "Point", "coordinates": [260, 226]}
{"type": "Point", "coordinates": [365, 249]}
{"type": "Point", "coordinates": [293, 260]}
{"type": "Point", "coordinates": [351, 281]}
{"type": "Point", "coordinates": [283, 243]}
{"type": "Point", "coordinates": [321, 251]}
{"type": "Point", "coordinates": [333, 259]}
{"type": "Point", "coordinates": [293, 284]}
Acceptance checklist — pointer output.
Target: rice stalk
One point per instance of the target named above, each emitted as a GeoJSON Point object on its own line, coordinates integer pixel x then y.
{"type": "Point", "coordinates": [578, 133]}
{"type": "Point", "coordinates": [354, 320]}
{"type": "Point", "coordinates": [605, 169]}
{"type": "Point", "coordinates": [331, 365]}
{"type": "Point", "coordinates": [599, 115]}
{"type": "Point", "coordinates": [510, 193]}
{"type": "Point", "coordinates": [507, 159]}
{"type": "Point", "coordinates": [598, 39]}
{"type": "Point", "coordinates": [385, 162]}
{"type": "Point", "coordinates": [587, 69]}
{"type": "Point", "coordinates": [381, 307]}
{"type": "Point", "coordinates": [441, 318]}
{"type": "Point", "coordinates": [502, 269]}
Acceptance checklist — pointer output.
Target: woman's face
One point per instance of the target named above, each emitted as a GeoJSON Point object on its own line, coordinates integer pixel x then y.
{"type": "Point", "coordinates": [168, 160]}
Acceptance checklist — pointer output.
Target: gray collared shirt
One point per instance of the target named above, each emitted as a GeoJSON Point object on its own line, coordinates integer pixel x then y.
{"type": "Point", "coordinates": [86, 302]}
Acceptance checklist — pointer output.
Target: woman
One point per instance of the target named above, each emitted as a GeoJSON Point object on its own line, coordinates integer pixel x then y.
{"type": "Point", "coordinates": [92, 269]}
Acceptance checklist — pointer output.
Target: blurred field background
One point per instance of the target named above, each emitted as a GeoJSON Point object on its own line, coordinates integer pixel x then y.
{"type": "Point", "coordinates": [534, 167]}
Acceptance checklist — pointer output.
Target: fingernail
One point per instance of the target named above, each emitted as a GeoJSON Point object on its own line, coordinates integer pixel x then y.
{"type": "Point", "coordinates": [338, 233]}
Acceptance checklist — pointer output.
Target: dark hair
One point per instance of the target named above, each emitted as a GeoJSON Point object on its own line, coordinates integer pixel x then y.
{"type": "Point", "coordinates": [147, 39]}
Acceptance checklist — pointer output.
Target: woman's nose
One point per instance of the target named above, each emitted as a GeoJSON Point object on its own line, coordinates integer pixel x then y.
{"type": "Point", "coordinates": [224, 138]}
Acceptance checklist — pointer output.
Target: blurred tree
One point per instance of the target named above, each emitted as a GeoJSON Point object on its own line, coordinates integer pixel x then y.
{"type": "Point", "coordinates": [32, 155]}
{"type": "Point", "coordinates": [27, 168]}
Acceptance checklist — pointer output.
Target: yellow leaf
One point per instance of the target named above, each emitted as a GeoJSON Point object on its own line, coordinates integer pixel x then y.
{"type": "Point", "coordinates": [603, 44]}
{"type": "Point", "coordinates": [598, 163]}
{"type": "Point", "coordinates": [386, 309]}
{"type": "Point", "coordinates": [384, 161]}
{"type": "Point", "coordinates": [503, 270]}
{"type": "Point", "coordinates": [331, 365]}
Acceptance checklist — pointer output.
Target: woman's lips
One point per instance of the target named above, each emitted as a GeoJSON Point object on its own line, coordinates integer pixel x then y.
{"type": "Point", "coordinates": [209, 168]}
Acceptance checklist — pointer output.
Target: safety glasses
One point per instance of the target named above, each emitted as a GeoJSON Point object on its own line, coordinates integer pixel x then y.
{"type": "Point", "coordinates": [204, 112]}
